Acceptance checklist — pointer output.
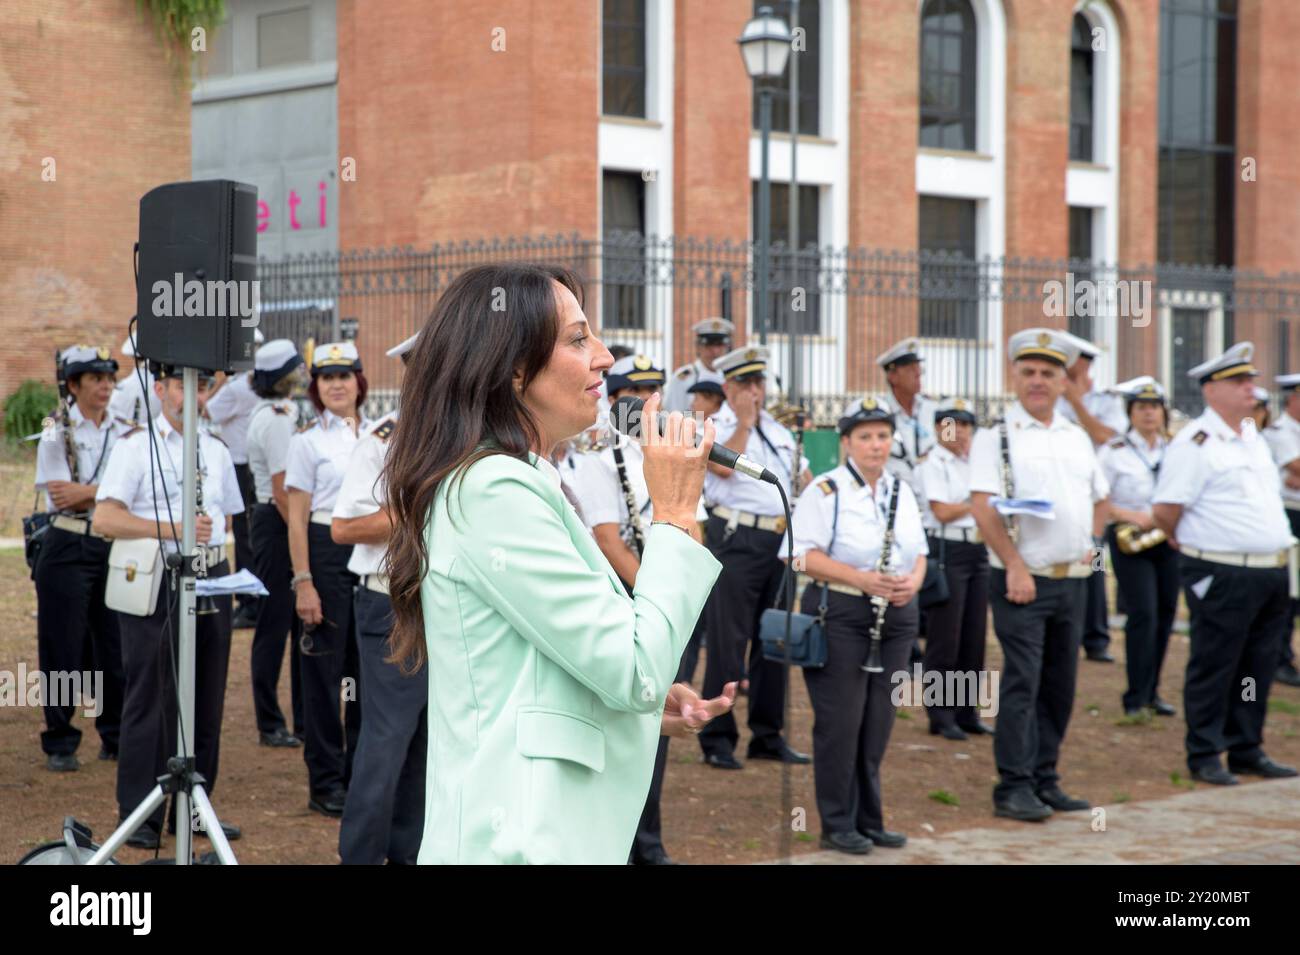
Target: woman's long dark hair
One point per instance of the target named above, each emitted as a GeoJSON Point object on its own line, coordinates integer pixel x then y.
{"type": "Point", "coordinates": [492, 322]}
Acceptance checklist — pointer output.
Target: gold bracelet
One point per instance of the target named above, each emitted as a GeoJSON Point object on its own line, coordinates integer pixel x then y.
{"type": "Point", "coordinates": [671, 524]}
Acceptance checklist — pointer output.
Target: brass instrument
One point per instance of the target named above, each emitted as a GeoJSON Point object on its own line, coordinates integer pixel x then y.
{"type": "Point", "coordinates": [1133, 540]}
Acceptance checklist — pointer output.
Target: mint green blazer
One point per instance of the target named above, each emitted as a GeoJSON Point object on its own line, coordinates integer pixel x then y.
{"type": "Point", "coordinates": [546, 681]}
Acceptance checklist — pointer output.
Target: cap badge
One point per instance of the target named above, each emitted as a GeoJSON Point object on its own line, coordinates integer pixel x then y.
{"type": "Point", "coordinates": [751, 354]}
{"type": "Point", "coordinates": [959, 405]}
{"type": "Point", "coordinates": [869, 404]}
{"type": "Point", "coordinates": [102, 352]}
{"type": "Point", "coordinates": [336, 352]}
{"type": "Point", "coordinates": [1044, 339]}
{"type": "Point", "coordinates": [641, 363]}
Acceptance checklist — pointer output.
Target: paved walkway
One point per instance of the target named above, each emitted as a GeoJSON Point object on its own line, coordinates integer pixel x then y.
{"type": "Point", "coordinates": [1254, 823]}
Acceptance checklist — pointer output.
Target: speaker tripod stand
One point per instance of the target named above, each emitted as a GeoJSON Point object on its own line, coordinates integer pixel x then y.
{"type": "Point", "coordinates": [181, 779]}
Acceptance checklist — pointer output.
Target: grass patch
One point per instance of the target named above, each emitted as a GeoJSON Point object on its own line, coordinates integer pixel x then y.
{"type": "Point", "coordinates": [1093, 709]}
{"type": "Point", "coordinates": [1284, 706]}
{"type": "Point", "coordinates": [943, 796]}
{"type": "Point", "coordinates": [1121, 797]}
{"type": "Point", "coordinates": [904, 715]}
{"type": "Point", "coordinates": [1176, 779]}
{"type": "Point", "coordinates": [803, 837]}
{"type": "Point", "coordinates": [1142, 717]}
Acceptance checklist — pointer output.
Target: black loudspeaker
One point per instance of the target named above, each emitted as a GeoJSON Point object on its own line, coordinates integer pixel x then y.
{"type": "Point", "coordinates": [196, 280]}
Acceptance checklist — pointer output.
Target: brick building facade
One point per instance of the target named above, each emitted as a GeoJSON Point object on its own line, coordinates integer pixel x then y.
{"type": "Point", "coordinates": [88, 87]}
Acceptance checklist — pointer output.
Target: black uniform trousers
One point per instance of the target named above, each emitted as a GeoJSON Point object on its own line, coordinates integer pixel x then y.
{"type": "Point", "coordinates": [649, 841]}
{"type": "Point", "coordinates": [329, 656]}
{"type": "Point", "coordinates": [1149, 582]}
{"type": "Point", "coordinates": [76, 633]}
{"type": "Point", "coordinates": [241, 526]}
{"type": "Point", "coordinates": [1096, 621]}
{"type": "Point", "coordinates": [150, 658]}
{"type": "Point", "coordinates": [748, 584]}
{"type": "Point", "coordinates": [853, 711]}
{"type": "Point", "coordinates": [1236, 626]}
{"type": "Point", "coordinates": [276, 622]}
{"type": "Point", "coordinates": [1287, 655]}
{"type": "Point", "coordinates": [383, 818]}
{"type": "Point", "coordinates": [957, 628]}
{"type": "Point", "coordinates": [1040, 650]}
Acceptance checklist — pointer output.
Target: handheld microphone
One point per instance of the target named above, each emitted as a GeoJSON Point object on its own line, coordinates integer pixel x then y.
{"type": "Point", "coordinates": [625, 417]}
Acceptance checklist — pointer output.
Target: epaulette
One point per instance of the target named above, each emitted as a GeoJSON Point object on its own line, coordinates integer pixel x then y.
{"type": "Point", "coordinates": [126, 421]}
{"type": "Point", "coordinates": [827, 486]}
{"type": "Point", "coordinates": [308, 427]}
{"type": "Point", "coordinates": [1199, 437]}
{"type": "Point", "coordinates": [136, 430]}
{"type": "Point", "coordinates": [684, 373]}
{"type": "Point", "coordinates": [1117, 443]}
{"type": "Point", "coordinates": [279, 409]}
{"type": "Point", "coordinates": [385, 430]}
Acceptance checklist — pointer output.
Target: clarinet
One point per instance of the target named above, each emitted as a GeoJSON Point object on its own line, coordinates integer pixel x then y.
{"type": "Point", "coordinates": [800, 420]}
{"type": "Point", "coordinates": [880, 604]}
{"type": "Point", "coordinates": [1008, 483]}
{"type": "Point", "coordinates": [65, 420]}
{"type": "Point", "coordinates": [629, 497]}
{"type": "Point", "coordinates": [202, 605]}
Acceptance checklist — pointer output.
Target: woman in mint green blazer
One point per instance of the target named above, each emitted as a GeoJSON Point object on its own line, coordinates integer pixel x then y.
{"type": "Point", "coordinates": [547, 683]}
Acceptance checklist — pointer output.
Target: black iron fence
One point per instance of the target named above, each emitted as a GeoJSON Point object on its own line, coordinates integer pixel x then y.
{"type": "Point", "coordinates": [830, 311]}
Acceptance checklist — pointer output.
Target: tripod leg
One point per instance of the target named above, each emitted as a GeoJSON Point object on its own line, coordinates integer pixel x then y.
{"type": "Point", "coordinates": [208, 816]}
{"type": "Point", "coordinates": [129, 825]}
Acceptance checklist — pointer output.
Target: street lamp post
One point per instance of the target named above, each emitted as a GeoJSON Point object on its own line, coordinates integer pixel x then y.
{"type": "Point", "coordinates": [765, 47]}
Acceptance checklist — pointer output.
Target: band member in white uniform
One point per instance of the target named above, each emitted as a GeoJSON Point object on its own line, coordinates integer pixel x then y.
{"type": "Point", "coordinates": [712, 341]}
{"type": "Point", "coordinates": [956, 628]}
{"type": "Point", "coordinates": [277, 374]}
{"type": "Point", "coordinates": [384, 816]}
{"type": "Point", "coordinates": [132, 400]}
{"type": "Point", "coordinates": [747, 533]}
{"type": "Point", "coordinates": [1288, 422]}
{"type": "Point", "coordinates": [1219, 498]}
{"type": "Point", "coordinates": [1101, 415]}
{"type": "Point", "coordinates": [140, 496]}
{"type": "Point", "coordinates": [323, 585]}
{"type": "Point", "coordinates": [841, 540]}
{"type": "Point", "coordinates": [1040, 567]}
{"type": "Point", "coordinates": [75, 632]}
{"type": "Point", "coordinates": [230, 408]}
{"type": "Point", "coordinates": [913, 411]}
{"type": "Point", "coordinates": [1146, 567]}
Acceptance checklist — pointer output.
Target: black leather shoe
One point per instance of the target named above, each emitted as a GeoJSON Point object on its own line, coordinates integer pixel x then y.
{"type": "Point", "coordinates": [280, 738]}
{"type": "Point", "coordinates": [231, 832]}
{"type": "Point", "coordinates": [62, 763]}
{"type": "Point", "coordinates": [886, 839]}
{"type": "Point", "coordinates": [654, 858]}
{"type": "Point", "coordinates": [328, 804]}
{"type": "Point", "coordinates": [854, 843]}
{"type": "Point", "coordinates": [978, 728]}
{"type": "Point", "coordinates": [1262, 767]}
{"type": "Point", "coordinates": [948, 731]}
{"type": "Point", "coordinates": [1163, 709]}
{"type": "Point", "coordinates": [1023, 806]}
{"type": "Point", "coordinates": [243, 619]}
{"type": "Point", "coordinates": [1288, 674]}
{"type": "Point", "coordinates": [146, 837]}
{"type": "Point", "coordinates": [1062, 802]}
{"type": "Point", "coordinates": [107, 754]}
{"type": "Point", "coordinates": [1214, 775]}
{"type": "Point", "coordinates": [782, 754]}
{"type": "Point", "coordinates": [723, 761]}
{"type": "Point", "coordinates": [1100, 656]}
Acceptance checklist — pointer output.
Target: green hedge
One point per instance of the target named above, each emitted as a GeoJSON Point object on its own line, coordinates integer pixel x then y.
{"type": "Point", "coordinates": [27, 408]}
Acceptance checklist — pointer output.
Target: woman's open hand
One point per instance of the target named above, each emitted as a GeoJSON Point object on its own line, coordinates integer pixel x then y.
{"type": "Point", "coordinates": [685, 714]}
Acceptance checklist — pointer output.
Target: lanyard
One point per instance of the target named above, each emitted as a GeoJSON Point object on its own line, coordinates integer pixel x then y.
{"type": "Point", "coordinates": [775, 453]}
{"type": "Point", "coordinates": [1153, 468]}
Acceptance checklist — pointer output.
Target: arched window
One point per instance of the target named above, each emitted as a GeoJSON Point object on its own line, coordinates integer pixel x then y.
{"type": "Point", "coordinates": [948, 74]}
{"type": "Point", "coordinates": [1081, 90]}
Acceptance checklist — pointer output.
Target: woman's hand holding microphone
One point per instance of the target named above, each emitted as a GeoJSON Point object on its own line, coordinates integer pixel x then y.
{"type": "Point", "coordinates": [674, 466]}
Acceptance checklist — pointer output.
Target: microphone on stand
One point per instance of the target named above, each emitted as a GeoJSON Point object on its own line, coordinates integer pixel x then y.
{"type": "Point", "coordinates": [625, 417]}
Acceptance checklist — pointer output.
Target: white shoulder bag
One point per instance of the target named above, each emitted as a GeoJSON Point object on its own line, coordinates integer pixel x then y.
{"type": "Point", "coordinates": [135, 572]}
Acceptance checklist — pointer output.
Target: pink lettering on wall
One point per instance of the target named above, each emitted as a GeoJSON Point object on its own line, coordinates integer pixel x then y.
{"type": "Point", "coordinates": [264, 216]}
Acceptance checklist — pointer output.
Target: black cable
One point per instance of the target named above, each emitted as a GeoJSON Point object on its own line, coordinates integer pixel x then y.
{"type": "Point", "coordinates": [787, 792]}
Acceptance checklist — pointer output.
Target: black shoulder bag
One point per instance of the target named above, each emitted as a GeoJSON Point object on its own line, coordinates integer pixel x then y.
{"type": "Point", "coordinates": [807, 632]}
